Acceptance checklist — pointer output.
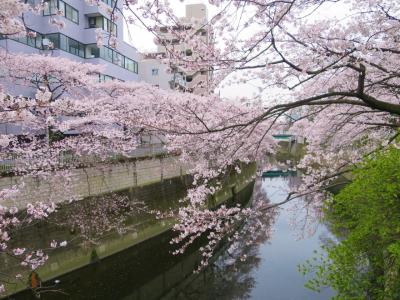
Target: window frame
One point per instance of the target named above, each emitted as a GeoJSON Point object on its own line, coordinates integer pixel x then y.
{"type": "Point", "coordinates": [68, 11]}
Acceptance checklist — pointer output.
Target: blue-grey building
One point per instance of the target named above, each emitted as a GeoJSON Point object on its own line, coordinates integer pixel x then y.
{"type": "Point", "coordinates": [77, 39]}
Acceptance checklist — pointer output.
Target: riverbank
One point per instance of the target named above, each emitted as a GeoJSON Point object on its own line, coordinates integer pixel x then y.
{"type": "Point", "coordinates": [144, 270]}
{"type": "Point", "coordinates": [160, 196]}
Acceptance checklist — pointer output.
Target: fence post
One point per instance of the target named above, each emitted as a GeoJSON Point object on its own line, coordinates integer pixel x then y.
{"type": "Point", "coordinates": [161, 169]}
{"type": "Point", "coordinates": [135, 175]}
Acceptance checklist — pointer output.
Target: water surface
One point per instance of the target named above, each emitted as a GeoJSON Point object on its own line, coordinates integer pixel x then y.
{"type": "Point", "coordinates": [149, 271]}
{"type": "Point", "coordinates": [270, 270]}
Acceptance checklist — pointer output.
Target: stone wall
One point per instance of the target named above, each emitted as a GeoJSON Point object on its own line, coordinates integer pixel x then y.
{"type": "Point", "coordinates": [157, 193]}
{"type": "Point", "coordinates": [92, 181]}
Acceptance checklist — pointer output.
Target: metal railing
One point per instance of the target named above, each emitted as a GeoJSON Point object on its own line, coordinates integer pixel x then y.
{"type": "Point", "coordinates": [145, 150]}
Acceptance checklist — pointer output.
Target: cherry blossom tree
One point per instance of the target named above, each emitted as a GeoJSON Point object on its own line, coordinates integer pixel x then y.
{"type": "Point", "coordinates": [335, 75]}
{"type": "Point", "coordinates": [337, 79]}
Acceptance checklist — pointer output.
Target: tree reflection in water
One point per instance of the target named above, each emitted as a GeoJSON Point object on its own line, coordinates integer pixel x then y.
{"type": "Point", "coordinates": [230, 275]}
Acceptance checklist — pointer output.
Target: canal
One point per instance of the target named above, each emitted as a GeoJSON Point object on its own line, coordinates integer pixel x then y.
{"type": "Point", "coordinates": [149, 271]}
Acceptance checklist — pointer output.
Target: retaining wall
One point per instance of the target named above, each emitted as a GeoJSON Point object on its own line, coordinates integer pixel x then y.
{"type": "Point", "coordinates": [92, 181]}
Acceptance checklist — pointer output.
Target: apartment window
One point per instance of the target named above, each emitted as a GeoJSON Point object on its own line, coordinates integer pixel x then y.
{"type": "Point", "coordinates": [54, 38]}
{"type": "Point", "coordinates": [50, 8]}
{"type": "Point", "coordinates": [109, 26]}
{"type": "Point", "coordinates": [102, 22]}
{"type": "Point", "coordinates": [109, 2]}
{"type": "Point", "coordinates": [38, 41]}
{"type": "Point", "coordinates": [67, 44]}
{"type": "Point", "coordinates": [154, 72]}
{"type": "Point", "coordinates": [104, 78]}
{"type": "Point", "coordinates": [106, 53]}
{"type": "Point", "coordinates": [67, 11]}
{"type": "Point", "coordinates": [93, 22]}
{"type": "Point", "coordinates": [76, 48]}
{"type": "Point", "coordinates": [22, 39]}
{"type": "Point", "coordinates": [92, 51]}
{"type": "Point", "coordinates": [129, 64]}
{"type": "Point", "coordinates": [61, 7]}
{"type": "Point", "coordinates": [71, 13]}
{"type": "Point", "coordinates": [118, 59]}
{"type": "Point", "coordinates": [31, 41]}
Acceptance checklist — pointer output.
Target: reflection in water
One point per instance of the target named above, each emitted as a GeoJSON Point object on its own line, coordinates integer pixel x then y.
{"type": "Point", "coordinates": [270, 269]}
{"type": "Point", "coordinates": [230, 276]}
{"type": "Point", "coordinates": [266, 269]}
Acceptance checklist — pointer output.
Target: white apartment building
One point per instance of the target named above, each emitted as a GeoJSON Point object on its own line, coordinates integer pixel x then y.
{"type": "Point", "coordinates": [176, 76]}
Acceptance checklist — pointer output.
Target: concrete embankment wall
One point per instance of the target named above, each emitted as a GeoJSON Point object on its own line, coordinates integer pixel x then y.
{"type": "Point", "coordinates": [147, 270]}
{"type": "Point", "coordinates": [93, 181]}
{"type": "Point", "coordinates": [160, 191]}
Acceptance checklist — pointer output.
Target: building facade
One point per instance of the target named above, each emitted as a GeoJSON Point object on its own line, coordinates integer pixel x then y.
{"type": "Point", "coordinates": [178, 75]}
{"type": "Point", "coordinates": [77, 39]}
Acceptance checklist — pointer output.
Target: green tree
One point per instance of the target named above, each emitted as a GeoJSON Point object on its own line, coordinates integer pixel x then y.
{"type": "Point", "coordinates": [364, 263]}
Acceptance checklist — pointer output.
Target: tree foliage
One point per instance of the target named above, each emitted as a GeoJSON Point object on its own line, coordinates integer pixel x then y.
{"type": "Point", "coordinates": [340, 76]}
{"type": "Point", "coordinates": [365, 216]}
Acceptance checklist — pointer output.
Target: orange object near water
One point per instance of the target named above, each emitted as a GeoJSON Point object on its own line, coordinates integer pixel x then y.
{"type": "Point", "coordinates": [34, 280]}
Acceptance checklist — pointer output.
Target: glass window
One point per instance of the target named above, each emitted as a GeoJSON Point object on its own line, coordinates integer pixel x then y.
{"type": "Point", "coordinates": [129, 64]}
{"type": "Point", "coordinates": [81, 50]}
{"type": "Point", "coordinates": [50, 7]}
{"type": "Point", "coordinates": [92, 22]}
{"type": "Point", "coordinates": [54, 38]}
{"type": "Point", "coordinates": [38, 41]}
{"type": "Point", "coordinates": [109, 2]}
{"type": "Point", "coordinates": [63, 42]}
{"type": "Point", "coordinates": [109, 26]}
{"type": "Point", "coordinates": [105, 24]}
{"type": "Point", "coordinates": [73, 47]}
{"type": "Point", "coordinates": [113, 28]}
{"type": "Point", "coordinates": [61, 7]}
{"type": "Point", "coordinates": [68, 12]}
{"type": "Point", "coordinates": [118, 59]}
{"type": "Point", "coordinates": [104, 78]}
{"type": "Point", "coordinates": [135, 67]}
{"type": "Point", "coordinates": [154, 72]}
{"type": "Point", "coordinates": [31, 41]}
{"type": "Point", "coordinates": [106, 53]}
{"type": "Point", "coordinates": [75, 16]}
{"type": "Point", "coordinates": [92, 51]}
{"type": "Point", "coordinates": [71, 14]}
{"type": "Point", "coordinates": [22, 39]}
{"type": "Point", "coordinates": [76, 48]}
